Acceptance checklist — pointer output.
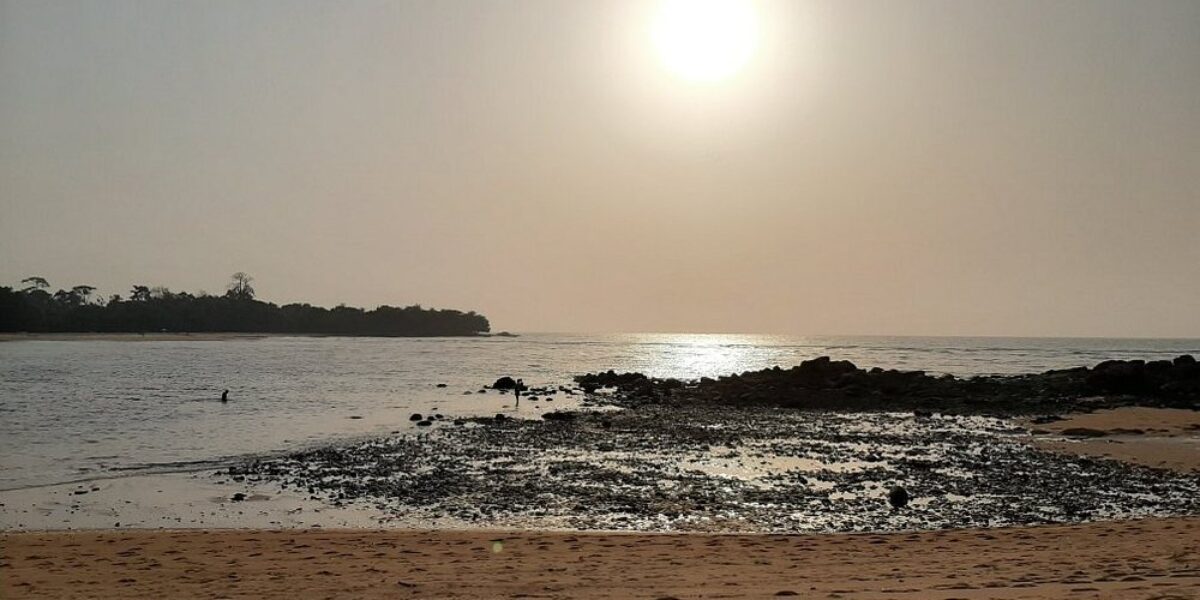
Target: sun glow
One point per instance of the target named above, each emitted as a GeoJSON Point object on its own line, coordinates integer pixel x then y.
{"type": "Point", "coordinates": [705, 41]}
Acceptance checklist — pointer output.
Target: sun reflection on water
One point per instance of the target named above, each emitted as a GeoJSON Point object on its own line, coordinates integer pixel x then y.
{"type": "Point", "coordinates": [699, 355]}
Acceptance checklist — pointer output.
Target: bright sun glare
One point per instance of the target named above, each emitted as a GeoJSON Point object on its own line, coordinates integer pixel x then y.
{"type": "Point", "coordinates": [705, 41]}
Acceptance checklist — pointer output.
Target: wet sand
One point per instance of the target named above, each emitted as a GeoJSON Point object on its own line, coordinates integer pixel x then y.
{"type": "Point", "coordinates": [1157, 558]}
{"type": "Point", "coordinates": [175, 501]}
{"type": "Point", "coordinates": [1155, 437]}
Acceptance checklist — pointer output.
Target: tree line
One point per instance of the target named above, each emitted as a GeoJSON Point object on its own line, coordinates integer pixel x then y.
{"type": "Point", "coordinates": [33, 308]}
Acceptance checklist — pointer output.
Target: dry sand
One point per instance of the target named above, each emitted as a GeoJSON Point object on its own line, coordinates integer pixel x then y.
{"type": "Point", "coordinates": [1157, 558]}
{"type": "Point", "coordinates": [1154, 437]}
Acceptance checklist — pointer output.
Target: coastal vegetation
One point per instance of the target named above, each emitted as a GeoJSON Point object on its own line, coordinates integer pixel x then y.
{"type": "Point", "coordinates": [34, 308]}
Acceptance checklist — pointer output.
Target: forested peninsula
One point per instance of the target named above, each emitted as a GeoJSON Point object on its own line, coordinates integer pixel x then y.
{"type": "Point", "coordinates": [34, 308]}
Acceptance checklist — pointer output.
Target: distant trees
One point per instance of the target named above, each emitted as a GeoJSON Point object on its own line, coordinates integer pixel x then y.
{"type": "Point", "coordinates": [35, 283]}
{"type": "Point", "coordinates": [34, 309]}
{"type": "Point", "coordinates": [239, 288]}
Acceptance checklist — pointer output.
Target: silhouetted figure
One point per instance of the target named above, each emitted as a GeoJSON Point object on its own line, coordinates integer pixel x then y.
{"type": "Point", "coordinates": [225, 396]}
{"type": "Point", "coordinates": [520, 385]}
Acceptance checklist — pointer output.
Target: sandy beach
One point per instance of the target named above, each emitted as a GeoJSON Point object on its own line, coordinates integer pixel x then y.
{"type": "Point", "coordinates": [1149, 559]}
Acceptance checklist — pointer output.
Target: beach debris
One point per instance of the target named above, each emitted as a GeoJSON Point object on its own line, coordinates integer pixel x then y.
{"type": "Point", "coordinates": [898, 497]}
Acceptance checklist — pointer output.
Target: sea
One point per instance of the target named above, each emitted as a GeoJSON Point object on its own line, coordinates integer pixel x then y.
{"type": "Point", "coordinates": [85, 409]}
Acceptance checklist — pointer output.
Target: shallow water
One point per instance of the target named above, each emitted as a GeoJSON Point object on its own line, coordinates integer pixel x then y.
{"type": "Point", "coordinates": [74, 410]}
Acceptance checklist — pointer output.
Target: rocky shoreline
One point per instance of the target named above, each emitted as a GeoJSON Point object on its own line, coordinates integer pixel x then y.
{"type": "Point", "coordinates": [825, 384]}
{"type": "Point", "coordinates": [735, 454]}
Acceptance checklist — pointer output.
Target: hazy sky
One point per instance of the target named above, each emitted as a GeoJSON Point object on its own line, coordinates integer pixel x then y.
{"type": "Point", "coordinates": [959, 168]}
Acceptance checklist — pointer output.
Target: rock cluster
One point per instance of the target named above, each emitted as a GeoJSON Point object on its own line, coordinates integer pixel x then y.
{"type": "Point", "coordinates": [826, 384]}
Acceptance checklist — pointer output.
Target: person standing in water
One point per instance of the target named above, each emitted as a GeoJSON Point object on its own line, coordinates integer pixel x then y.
{"type": "Point", "coordinates": [520, 385]}
{"type": "Point", "coordinates": [225, 396]}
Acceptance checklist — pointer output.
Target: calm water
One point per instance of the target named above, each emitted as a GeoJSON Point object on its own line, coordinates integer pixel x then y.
{"type": "Point", "coordinates": [80, 409]}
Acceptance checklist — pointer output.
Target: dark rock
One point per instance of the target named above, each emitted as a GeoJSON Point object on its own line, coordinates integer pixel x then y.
{"type": "Point", "coordinates": [505, 383]}
{"type": "Point", "coordinates": [1084, 432]}
{"type": "Point", "coordinates": [1118, 376]}
{"type": "Point", "coordinates": [424, 423]}
{"type": "Point", "coordinates": [898, 497]}
{"type": "Point", "coordinates": [560, 416]}
{"type": "Point", "coordinates": [238, 497]}
{"type": "Point", "coordinates": [416, 417]}
{"type": "Point", "coordinates": [441, 385]}
{"type": "Point", "coordinates": [502, 417]}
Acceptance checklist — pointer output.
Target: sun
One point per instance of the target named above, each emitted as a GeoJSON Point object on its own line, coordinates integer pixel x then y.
{"type": "Point", "coordinates": [705, 41]}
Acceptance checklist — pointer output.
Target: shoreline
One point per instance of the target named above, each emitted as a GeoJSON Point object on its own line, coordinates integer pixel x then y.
{"type": "Point", "coordinates": [659, 498]}
{"type": "Point", "coordinates": [622, 471]}
{"type": "Point", "coordinates": [1169, 440]}
{"type": "Point", "coordinates": [1147, 558]}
